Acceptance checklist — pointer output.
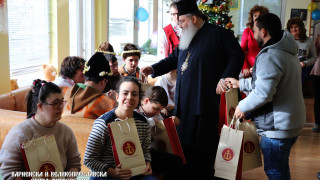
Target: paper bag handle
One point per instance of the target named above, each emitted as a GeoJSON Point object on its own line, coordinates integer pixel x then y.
{"type": "Point", "coordinates": [145, 80]}
{"type": "Point", "coordinates": [34, 144]}
{"type": "Point", "coordinates": [235, 123]}
{"type": "Point", "coordinates": [118, 119]}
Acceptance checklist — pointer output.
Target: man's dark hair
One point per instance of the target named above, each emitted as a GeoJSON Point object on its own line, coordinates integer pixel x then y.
{"type": "Point", "coordinates": [271, 23]}
{"type": "Point", "coordinates": [70, 65]}
{"type": "Point", "coordinates": [157, 94]}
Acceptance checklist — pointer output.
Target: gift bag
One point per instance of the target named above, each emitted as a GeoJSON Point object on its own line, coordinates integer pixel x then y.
{"type": "Point", "coordinates": [228, 153]}
{"type": "Point", "coordinates": [228, 103]}
{"type": "Point", "coordinates": [42, 155]}
{"type": "Point", "coordinates": [126, 146]}
{"type": "Point", "coordinates": [144, 83]}
{"type": "Point", "coordinates": [165, 138]}
{"type": "Point", "coordinates": [251, 147]}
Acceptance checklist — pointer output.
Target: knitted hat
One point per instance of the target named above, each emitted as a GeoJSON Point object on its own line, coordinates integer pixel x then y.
{"type": "Point", "coordinates": [186, 6]}
{"type": "Point", "coordinates": [97, 67]}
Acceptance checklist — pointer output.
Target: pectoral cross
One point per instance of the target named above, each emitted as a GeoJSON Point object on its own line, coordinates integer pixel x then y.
{"type": "Point", "coordinates": [186, 63]}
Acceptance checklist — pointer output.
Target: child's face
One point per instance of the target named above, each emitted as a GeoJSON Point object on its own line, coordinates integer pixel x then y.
{"type": "Point", "coordinates": [128, 96]}
{"type": "Point", "coordinates": [131, 63]}
{"type": "Point", "coordinates": [151, 109]}
{"type": "Point", "coordinates": [114, 68]}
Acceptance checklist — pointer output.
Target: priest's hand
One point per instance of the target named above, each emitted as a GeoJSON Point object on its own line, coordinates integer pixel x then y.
{"type": "Point", "coordinates": [176, 120]}
{"type": "Point", "coordinates": [238, 113]}
{"type": "Point", "coordinates": [232, 83]}
{"type": "Point", "coordinates": [146, 70]}
{"type": "Point", "coordinates": [221, 87]}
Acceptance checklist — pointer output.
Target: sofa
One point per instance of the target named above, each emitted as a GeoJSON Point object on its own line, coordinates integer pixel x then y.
{"type": "Point", "coordinates": [15, 100]}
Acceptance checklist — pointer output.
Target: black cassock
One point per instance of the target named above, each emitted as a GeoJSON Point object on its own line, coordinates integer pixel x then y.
{"type": "Point", "coordinates": [214, 53]}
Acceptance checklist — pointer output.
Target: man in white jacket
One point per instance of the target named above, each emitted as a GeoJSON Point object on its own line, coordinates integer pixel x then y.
{"type": "Point", "coordinates": [275, 98]}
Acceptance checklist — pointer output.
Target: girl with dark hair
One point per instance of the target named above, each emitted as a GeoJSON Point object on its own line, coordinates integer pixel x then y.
{"type": "Point", "coordinates": [44, 108]}
{"type": "Point", "coordinates": [71, 71]}
{"type": "Point", "coordinates": [307, 50]}
{"type": "Point", "coordinates": [99, 156]}
{"type": "Point", "coordinates": [131, 56]}
{"type": "Point", "coordinates": [248, 44]}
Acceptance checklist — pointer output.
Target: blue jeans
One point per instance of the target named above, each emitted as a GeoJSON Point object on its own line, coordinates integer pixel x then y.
{"type": "Point", "coordinates": [276, 157]}
{"type": "Point", "coordinates": [140, 177]}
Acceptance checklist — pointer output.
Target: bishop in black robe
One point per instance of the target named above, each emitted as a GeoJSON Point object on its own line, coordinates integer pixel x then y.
{"type": "Point", "coordinates": [213, 54]}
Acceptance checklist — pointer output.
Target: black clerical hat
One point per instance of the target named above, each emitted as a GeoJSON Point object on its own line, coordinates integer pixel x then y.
{"type": "Point", "coordinates": [97, 67]}
{"type": "Point", "coordinates": [186, 6]}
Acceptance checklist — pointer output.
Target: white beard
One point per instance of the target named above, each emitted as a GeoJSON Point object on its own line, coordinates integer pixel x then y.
{"type": "Point", "coordinates": [187, 36]}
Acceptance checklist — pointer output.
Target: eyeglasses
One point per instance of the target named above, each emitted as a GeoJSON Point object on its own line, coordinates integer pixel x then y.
{"type": "Point", "coordinates": [56, 105]}
{"type": "Point", "coordinates": [174, 14]}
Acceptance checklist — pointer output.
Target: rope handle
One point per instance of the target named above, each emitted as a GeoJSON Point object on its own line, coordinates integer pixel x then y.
{"type": "Point", "coordinates": [34, 144]}
{"type": "Point", "coordinates": [118, 119]}
{"type": "Point", "coordinates": [235, 123]}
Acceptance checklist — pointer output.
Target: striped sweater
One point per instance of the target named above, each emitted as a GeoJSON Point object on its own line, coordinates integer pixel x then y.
{"type": "Point", "coordinates": [99, 156]}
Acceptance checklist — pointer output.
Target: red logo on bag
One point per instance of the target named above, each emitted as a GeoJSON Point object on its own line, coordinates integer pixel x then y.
{"type": "Point", "coordinates": [248, 147]}
{"type": "Point", "coordinates": [227, 154]}
{"type": "Point", "coordinates": [231, 111]}
{"type": "Point", "coordinates": [128, 148]}
{"type": "Point", "coordinates": [46, 168]}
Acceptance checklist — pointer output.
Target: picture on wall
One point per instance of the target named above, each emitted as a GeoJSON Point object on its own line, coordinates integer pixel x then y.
{"type": "Point", "coordinates": [234, 4]}
{"type": "Point", "coordinates": [302, 13]}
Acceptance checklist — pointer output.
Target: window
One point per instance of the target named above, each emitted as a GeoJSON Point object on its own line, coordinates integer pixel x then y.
{"type": "Point", "coordinates": [125, 26]}
{"type": "Point", "coordinates": [121, 23]}
{"type": "Point", "coordinates": [29, 39]}
{"type": "Point", "coordinates": [81, 28]}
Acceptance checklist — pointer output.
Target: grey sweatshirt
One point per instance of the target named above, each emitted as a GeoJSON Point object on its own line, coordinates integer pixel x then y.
{"type": "Point", "coordinates": [277, 82]}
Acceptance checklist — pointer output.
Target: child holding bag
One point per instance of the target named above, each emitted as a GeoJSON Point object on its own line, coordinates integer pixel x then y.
{"type": "Point", "coordinates": [99, 155]}
{"type": "Point", "coordinates": [154, 100]}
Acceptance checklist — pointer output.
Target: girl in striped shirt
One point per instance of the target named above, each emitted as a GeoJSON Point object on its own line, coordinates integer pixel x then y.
{"type": "Point", "coordinates": [98, 156]}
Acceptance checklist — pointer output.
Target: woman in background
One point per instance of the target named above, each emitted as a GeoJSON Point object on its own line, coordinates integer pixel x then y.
{"type": "Point", "coordinates": [316, 81]}
{"type": "Point", "coordinates": [248, 44]}
{"type": "Point", "coordinates": [307, 50]}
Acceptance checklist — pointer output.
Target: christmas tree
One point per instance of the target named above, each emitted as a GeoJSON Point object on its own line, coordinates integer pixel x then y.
{"type": "Point", "coordinates": [217, 11]}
